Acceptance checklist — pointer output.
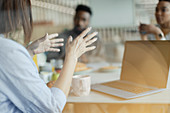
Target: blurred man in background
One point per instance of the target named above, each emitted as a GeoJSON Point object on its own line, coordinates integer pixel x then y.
{"type": "Point", "coordinates": [81, 22]}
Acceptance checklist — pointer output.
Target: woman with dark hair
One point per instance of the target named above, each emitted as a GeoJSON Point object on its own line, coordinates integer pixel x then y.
{"type": "Point", "coordinates": [162, 30]}
{"type": "Point", "coordinates": [22, 90]}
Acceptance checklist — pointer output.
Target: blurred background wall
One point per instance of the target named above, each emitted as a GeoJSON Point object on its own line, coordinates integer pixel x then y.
{"type": "Point", "coordinates": [116, 20]}
{"type": "Point", "coordinates": [109, 13]}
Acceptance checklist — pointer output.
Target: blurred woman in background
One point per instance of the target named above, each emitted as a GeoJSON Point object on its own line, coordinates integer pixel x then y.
{"type": "Point", "coordinates": [162, 30]}
{"type": "Point", "coordinates": [22, 90]}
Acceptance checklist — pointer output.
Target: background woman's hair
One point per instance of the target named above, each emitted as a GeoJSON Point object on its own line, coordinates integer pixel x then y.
{"type": "Point", "coordinates": [164, 0]}
{"type": "Point", "coordinates": [15, 14]}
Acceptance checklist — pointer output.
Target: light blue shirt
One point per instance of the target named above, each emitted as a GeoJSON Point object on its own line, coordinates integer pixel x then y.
{"type": "Point", "coordinates": [21, 88]}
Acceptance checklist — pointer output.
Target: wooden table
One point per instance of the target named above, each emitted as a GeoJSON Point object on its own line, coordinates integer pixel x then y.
{"type": "Point", "coordinates": [98, 102]}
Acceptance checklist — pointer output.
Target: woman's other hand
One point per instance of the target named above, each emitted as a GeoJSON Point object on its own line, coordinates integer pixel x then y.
{"type": "Point", "coordinates": [46, 43]}
{"type": "Point", "coordinates": [81, 44]}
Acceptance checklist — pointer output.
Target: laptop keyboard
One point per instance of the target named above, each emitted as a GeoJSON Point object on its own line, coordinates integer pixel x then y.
{"type": "Point", "coordinates": [127, 87]}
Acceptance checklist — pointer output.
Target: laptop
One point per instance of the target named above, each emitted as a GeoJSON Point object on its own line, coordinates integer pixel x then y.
{"type": "Point", "coordinates": [145, 70]}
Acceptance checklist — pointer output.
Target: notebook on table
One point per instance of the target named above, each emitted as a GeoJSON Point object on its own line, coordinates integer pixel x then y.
{"type": "Point", "coordinates": [145, 70]}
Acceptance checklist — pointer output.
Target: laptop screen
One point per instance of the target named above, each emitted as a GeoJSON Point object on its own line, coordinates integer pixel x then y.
{"type": "Point", "coordinates": [146, 62]}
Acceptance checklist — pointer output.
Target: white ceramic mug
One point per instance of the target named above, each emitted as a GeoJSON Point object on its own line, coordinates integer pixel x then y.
{"type": "Point", "coordinates": [81, 85]}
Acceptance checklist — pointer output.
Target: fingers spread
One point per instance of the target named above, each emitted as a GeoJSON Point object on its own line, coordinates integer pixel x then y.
{"type": "Point", "coordinates": [84, 33]}
{"type": "Point", "coordinates": [90, 36]}
{"type": "Point", "coordinates": [91, 41]}
{"type": "Point", "coordinates": [90, 48]}
{"type": "Point", "coordinates": [53, 41]}
{"type": "Point", "coordinates": [54, 49]}
{"type": "Point", "coordinates": [57, 45]}
{"type": "Point", "coordinates": [52, 36]}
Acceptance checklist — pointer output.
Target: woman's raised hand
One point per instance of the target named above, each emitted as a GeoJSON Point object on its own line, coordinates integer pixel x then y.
{"type": "Point", "coordinates": [46, 43]}
{"type": "Point", "coordinates": [81, 44]}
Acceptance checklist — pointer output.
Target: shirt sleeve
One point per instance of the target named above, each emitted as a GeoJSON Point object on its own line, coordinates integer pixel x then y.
{"type": "Point", "coordinates": [24, 87]}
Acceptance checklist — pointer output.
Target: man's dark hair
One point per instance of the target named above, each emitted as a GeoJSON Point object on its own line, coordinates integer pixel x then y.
{"type": "Point", "coordinates": [164, 0]}
{"type": "Point", "coordinates": [83, 8]}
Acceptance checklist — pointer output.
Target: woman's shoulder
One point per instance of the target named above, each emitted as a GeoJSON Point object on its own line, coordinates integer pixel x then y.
{"type": "Point", "coordinates": [8, 45]}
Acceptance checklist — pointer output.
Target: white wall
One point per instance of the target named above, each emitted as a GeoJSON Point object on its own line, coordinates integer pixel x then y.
{"type": "Point", "coordinates": [112, 13]}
